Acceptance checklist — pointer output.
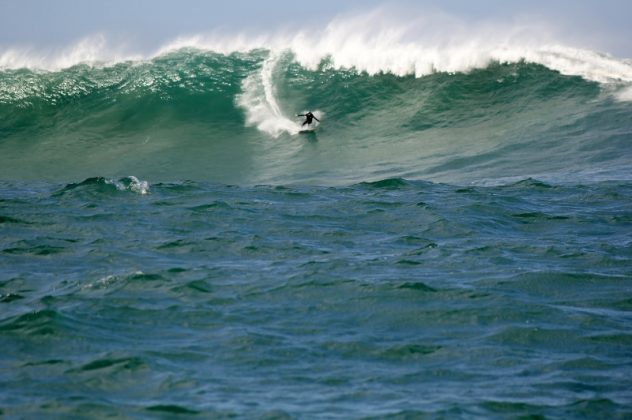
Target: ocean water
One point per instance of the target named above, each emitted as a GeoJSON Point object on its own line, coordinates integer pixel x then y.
{"type": "Point", "coordinates": [454, 240]}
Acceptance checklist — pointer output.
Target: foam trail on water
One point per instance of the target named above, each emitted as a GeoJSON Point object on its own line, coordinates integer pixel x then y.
{"type": "Point", "coordinates": [259, 102]}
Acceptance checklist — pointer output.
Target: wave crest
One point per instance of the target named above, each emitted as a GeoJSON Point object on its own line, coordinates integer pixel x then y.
{"type": "Point", "coordinates": [374, 42]}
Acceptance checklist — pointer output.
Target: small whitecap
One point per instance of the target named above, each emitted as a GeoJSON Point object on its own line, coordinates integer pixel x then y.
{"type": "Point", "coordinates": [131, 183]}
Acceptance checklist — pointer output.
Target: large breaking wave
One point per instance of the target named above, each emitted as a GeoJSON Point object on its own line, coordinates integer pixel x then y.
{"type": "Point", "coordinates": [396, 101]}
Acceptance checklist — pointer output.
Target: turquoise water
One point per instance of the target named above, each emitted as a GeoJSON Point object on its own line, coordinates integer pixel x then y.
{"type": "Point", "coordinates": [452, 245]}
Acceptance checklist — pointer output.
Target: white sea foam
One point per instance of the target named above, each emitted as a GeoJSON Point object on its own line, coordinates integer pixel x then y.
{"type": "Point", "coordinates": [421, 46]}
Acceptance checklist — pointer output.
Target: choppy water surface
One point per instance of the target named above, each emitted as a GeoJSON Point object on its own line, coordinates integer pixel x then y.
{"type": "Point", "coordinates": [387, 298]}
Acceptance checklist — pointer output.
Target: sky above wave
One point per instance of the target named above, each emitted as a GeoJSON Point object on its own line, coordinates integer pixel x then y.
{"type": "Point", "coordinates": [147, 24]}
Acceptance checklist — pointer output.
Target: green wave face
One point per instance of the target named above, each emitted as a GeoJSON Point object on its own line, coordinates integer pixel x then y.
{"type": "Point", "coordinates": [231, 118]}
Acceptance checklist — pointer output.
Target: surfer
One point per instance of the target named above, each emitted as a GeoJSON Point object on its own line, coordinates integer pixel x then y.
{"type": "Point", "coordinates": [308, 118]}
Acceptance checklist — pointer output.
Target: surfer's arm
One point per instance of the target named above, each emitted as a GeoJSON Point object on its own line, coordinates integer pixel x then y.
{"type": "Point", "coordinates": [316, 119]}
{"type": "Point", "coordinates": [300, 115]}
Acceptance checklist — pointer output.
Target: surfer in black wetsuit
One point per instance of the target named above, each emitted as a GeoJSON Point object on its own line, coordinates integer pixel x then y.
{"type": "Point", "coordinates": [308, 118]}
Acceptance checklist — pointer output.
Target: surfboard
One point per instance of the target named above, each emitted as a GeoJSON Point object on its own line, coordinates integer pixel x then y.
{"type": "Point", "coordinates": [309, 135]}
